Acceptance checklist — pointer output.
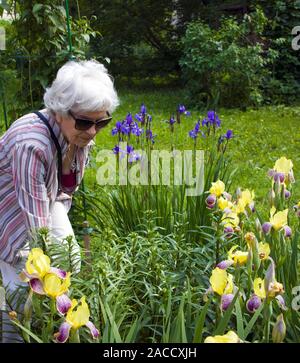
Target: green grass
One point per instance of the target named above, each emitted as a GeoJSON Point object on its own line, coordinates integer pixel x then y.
{"type": "Point", "coordinates": [261, 135]}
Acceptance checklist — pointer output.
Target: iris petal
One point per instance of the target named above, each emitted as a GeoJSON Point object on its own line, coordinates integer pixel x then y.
{"type": "Point", "coordinates": [58, 272]}
{"type": "Point", "coordinates": [94, 331]}
{"type": "Point", "coordinates": [63, 304]}
{"type": "Point", "coordinates": [37, 286]}
{"type": "Point", "coordinates": [63, 333]}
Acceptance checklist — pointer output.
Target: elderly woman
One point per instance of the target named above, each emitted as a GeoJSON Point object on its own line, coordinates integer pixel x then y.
{"type": "Point", "coordinates": [42, 160]}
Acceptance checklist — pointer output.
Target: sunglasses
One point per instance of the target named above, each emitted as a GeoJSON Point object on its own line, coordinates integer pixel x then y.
{"type": "Point", "coordinates": [84, 124]}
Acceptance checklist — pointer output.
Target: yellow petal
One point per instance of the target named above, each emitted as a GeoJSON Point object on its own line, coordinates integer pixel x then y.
{"type": "Point", "coordinates": [224, 203]}
{"type": "Point", "coordinates": [229, 286]}
{"type": "Point", "coordinates": [279, 219]}
{"type": "Point", "coordinates": [80, 316]}
{"type": "Point", "coordinates": [37, 262]}
{"type": "Point", "coordinates": [230, 220]}
{"type": "Point", "coordinates": [263, 250]}
{"type": "Point", "coordinates": [217, 188]}
{"type": "Point", "coordinates": [218, 280]}
{"type": "Point", "coordinates": [283, 165]}
{"type": "Point", "coordinates": [230, 337]}
{"type": "Point", "coordinates": [259, 288]}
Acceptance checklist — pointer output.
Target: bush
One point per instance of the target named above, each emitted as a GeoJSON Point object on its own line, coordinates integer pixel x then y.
{"type": "Point", "coordinates": [226, 64]}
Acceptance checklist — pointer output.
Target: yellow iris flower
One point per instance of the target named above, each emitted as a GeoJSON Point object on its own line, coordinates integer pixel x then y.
{"type": "Point", "coordinates": [259, 288]}
{"type": "Point", "coordinates": [37, 263]}
{"type": "Point", "coordinates": [80, 316]}
{"type": "Point", "coordinates": [217, 188]}
{"type": "Point", "coordinates": [230, 220]}
{"type": "Point", "coordinates": [263, 250]}
{"type": "Point", "coordinates": [283, 165]}
{"type": "Point", "coordinates": [55, 286]}
{"type": "Point", "coordinates": [224, 203]}
{"type": "Point", "coordinates": [238, 257]}
{"type": "Point", "coordinates": [221, 282]}
{"type": "Point", "coordinates": [279, 219]}
{"type": "Point", "coordinates": [230, 337]}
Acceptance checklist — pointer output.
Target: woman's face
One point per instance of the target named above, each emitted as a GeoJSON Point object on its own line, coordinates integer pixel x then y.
{"type": "Point", "coordinates": [78, 137]}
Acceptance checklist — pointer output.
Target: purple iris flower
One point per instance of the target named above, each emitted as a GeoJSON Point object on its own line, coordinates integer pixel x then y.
{"type": "Point", "coordinates": [150, 136]}
{"type": "Point", "coordinates": [117, 129]}
{"type": "Point", "coordinates": [129, 119]}
{"type": "Point", "coordinates": [172, 120]}
{"type": "Point", "coordinates": [116, 150]}
{"type": "Point", "coordinates": [193, 134]}
{"type": "Point", "coordinates": [205, 122]}
{"type": "Point", "coordinates": [143, 109]}
{"type": "Point", "coordinates": [135, 130]}
{"type": "Point", "coordinates": [130, 149]}
{"type": "Point", "coordinates": [229, 134]}
{"type": "Point", "coordinates": [182, 109]}
{"type": "Point", "coordinates": [213, 118]}
{"type": "Point", "coordinates": [133, 156]}
{"type": "Point", "coordinates": [138, 117]}
{"type": "Point", "coordinates": [125, 129]}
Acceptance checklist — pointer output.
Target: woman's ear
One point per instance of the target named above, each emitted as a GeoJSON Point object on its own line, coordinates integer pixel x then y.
{"type": "Point", "coordinates": [58, 118]}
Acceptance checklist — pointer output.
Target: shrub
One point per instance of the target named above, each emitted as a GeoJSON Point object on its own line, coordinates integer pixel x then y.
{"type": "Point", "coordinates": [226, 64]}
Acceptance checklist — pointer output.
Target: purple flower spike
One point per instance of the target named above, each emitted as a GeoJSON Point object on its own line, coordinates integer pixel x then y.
{"type": "Point", "coordinates": [287, 231]}
{"type": "Point", "coordinates": [226, 301]}
{"type": "Point", "coordinates": [223, 265]}
{"type": "Point", "coordinates": [211, 200]}
{"type": "Point", "coordinates": [266, 227]}
{"type": "Point", "coordinates": [143, 109]}
{"type": "Point", "coordinates": [253, 303]}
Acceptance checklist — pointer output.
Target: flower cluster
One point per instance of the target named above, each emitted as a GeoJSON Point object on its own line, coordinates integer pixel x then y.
{"type": "Point", "coordinates": [256, 254]}
{"type": "Point", "coordinates": [140, 128]}
{"type": "Point", "coordinates": [54, 283]}
{"type": "Point", "coordinates": [221, 201]}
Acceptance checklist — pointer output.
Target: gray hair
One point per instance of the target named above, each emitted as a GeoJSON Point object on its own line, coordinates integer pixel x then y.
{"type": "Point", "coordinates": [83, 86]}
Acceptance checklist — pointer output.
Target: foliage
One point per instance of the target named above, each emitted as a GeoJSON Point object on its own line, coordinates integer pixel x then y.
{"type": "Point", "coordinates": [223, 65]}
{"type": "Point", "coordinates": [284, 85]}
{"type": "Point", "coordinates": [39, 46]}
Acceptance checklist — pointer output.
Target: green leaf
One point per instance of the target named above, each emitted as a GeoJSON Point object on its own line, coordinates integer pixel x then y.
{"type": "Point", "coordinates": [239, 319]}
{"type": "Point", "coordinates": [251, 323]}
{"type": "Point", "coordinates": [200, 323]}
{"type": "Point", "coordinates": [37, 8]}
{"type": "Point", "coordinates": [37, 339]}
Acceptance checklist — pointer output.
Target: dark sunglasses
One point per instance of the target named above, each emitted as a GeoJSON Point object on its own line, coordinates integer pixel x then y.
{"type": "Point", "coordinates": [84, 124]}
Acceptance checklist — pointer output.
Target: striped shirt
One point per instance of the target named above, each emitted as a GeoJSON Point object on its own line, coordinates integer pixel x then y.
{"type": "Point", "coordinates": [28, 180]}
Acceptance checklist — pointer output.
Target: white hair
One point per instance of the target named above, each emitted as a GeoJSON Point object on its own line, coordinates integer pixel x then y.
{"type": "Point", "coordinates": [83, 86]}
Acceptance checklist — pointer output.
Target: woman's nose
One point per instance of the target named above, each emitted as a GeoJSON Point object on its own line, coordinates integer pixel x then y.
{"type": "Point", "coordinates": [92, 131]}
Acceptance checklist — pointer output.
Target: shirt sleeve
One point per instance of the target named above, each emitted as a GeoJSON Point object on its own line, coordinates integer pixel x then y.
{"type": "Point", "coordinates": [29, 173]}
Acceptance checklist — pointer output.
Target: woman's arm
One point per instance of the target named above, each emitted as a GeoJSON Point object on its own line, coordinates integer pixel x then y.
{"type": "Point", "coordinates": [29, 171]}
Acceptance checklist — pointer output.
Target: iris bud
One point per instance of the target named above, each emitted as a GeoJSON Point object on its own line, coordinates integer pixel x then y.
{"type": "Point", "coordinates": [253, 303]}
{"type": "Point", "coordinates": [279, 330]}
